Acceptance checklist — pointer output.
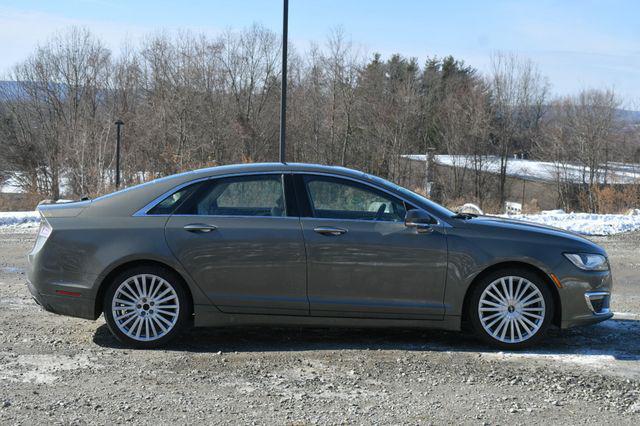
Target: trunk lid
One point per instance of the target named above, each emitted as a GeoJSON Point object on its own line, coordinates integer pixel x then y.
{"type": "Point", "coordinates": [71, 209]}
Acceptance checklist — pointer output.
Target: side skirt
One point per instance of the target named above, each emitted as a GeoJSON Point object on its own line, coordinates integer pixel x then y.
{"type": "Point", "coordinates": [210, 316]}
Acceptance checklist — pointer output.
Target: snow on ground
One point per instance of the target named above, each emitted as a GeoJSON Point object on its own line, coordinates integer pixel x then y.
{"type": "Point", "coordinates": [19, 219]}
{"type": "Point", "coordinates": [15, 185]}
{"type": "Point", "coordinates": [10, 186]}
{"type": "Point", "coordinates": [16, 182]}
{"type": "Point", "coordinates": [584, 223]}
{"type": "Point", "coordinates": [581, 223]}
{"type": "Point", "coordinates": [618, 173]}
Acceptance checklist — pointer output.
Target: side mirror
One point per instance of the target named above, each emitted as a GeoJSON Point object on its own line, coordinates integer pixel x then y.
{"type": "Point", "coordinates": [419, 219]}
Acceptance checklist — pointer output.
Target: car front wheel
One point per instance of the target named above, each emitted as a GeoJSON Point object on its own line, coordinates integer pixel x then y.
{"type": "Point", "coordinates": [511, 309]}
{"type": "Point", "coordinates": [146, 306]}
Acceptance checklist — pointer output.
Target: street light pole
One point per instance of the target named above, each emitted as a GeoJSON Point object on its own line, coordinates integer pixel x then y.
{"type": "Point", "coordinates": [283, 95]}
{"type": "Point", "coordinates": [118, 124]}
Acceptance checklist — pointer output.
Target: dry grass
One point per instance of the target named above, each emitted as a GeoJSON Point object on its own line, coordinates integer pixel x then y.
{"type": "Point", "coordinates": [614, 200]}
{"type": "Point", "coordinates": [19, 202]}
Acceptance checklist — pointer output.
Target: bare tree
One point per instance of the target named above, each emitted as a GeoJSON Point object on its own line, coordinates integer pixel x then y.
{"type": "Point", "coordinates": [518, 95]}
{"type": "Point", "coordinates": [57, 112]}
{"type": "Point", "coordinates": [190, 100]}
{"type": "Point", "coordinates": [589, 128]}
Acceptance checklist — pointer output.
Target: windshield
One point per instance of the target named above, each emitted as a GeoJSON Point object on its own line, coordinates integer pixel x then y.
{"type": "Point", "coordinates": [414, 195]}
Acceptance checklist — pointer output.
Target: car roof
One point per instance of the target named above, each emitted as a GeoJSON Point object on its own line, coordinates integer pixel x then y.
{"type": "Point", "coordinates": [133, 198]}
{"type": "Point", "coordinates": [276, 167]}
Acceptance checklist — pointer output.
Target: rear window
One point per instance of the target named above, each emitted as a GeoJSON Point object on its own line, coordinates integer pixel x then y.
{"type": "Point", "coordinates": [253, 195]}
{"type": "Point", "coordinates": [173, 201]}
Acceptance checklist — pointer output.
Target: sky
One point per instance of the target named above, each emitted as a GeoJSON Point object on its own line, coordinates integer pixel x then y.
{"type": "Point", "coordinates": [577, 44]}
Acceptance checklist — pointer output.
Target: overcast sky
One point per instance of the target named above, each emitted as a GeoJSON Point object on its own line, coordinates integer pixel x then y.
{"type": "Point", "coordinates": [577, 44]}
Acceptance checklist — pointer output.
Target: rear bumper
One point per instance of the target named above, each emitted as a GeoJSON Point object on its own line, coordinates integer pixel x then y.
{"type": "Point", "coordinates": [58, 285]}
{"type": "Point", "coordinates": [79, 307]}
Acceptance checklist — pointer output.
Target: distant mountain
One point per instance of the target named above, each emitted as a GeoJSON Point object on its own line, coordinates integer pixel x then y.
{"type": "Point", "coordinates": [7, 84]}
{"type": "Point", "coordinates": [13, 89]}
{"type": "Point", "coordinates": [629, 116]}
{"type": "Point", "coordinates": [9, 89]}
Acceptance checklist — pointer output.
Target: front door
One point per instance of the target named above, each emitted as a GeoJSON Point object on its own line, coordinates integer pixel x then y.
{"type": "Point", "coordinates": [361, 259]}
{"type": "Point", "coordinates": [238, 242]}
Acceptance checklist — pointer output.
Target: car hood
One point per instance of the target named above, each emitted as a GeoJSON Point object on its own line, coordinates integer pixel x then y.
{"type": "Point", "coordinates": [513, 225]}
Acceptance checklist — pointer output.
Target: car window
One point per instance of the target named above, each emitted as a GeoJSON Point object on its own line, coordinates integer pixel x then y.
{"type": "Point", "coordinates": [334, 198]}
{"type": "Point", "coordinates": [412, 196]}
{"type": "Point", "coordinates": [173, 201]}
{"type": "Point", "coordinates": [239, 196]}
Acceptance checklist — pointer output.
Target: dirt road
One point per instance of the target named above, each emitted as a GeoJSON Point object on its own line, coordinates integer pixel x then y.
{"type": "Point", "coordinates": [55, 369]}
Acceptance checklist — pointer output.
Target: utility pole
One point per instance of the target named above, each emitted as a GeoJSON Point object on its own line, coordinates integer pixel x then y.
{"type": "Point", "coordinates": [118, 124]}
{"type": "Point", "coordinates": [429, 172]}
{"type": "Point", "coordinates": [283, 94]}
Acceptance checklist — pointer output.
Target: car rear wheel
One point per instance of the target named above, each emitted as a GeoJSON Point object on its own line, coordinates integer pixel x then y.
{"type": "Point", "coordinates": [146, 306]}
{"type": "Point", "coordinates": [511, 309]}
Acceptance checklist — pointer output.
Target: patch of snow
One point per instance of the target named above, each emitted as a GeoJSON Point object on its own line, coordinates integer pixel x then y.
{"type": "Point", "coordinates": [552, 212]}
{"type": "Point", "coordinates": [617, 173]}
{"type": "Point", "coordinates": [606, 357]}
{"type": "Point", "coordinates": [40, 368]}
{"type": "Point", "coordinates": [15, 184]}
{"type": "Point", "coordinates": [11, 186]}
{"type": "Point", "coordinates": [586, 358]}
{"type": "Point", "coordinates": [625, 316]}
{"type": "Point", "coordinates": [17, 303]}
{"type": "Point", "coordinates": [583, 223]}
{"type": "Point", "coordinates": [12, 270]}
{"type": "Point", "coordinates": [19, 219]}
{"type": "Point", "coordinates": [470, 208]}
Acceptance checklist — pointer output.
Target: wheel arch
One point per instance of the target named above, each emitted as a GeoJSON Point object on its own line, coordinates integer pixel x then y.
{"type": "Point", "coordinates": [104, 283]}
{"type": "Point", "coordinates": [557, 314]}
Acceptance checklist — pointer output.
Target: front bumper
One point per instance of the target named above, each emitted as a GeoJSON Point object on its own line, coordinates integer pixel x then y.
{"type": "Point", "coordinates": [585, 298]}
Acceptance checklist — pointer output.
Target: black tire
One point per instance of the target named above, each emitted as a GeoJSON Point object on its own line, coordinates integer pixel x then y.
{"type": "Point", "coordinates": [180, 320]}
{"type": "Point", "coordinates": [547, 306]}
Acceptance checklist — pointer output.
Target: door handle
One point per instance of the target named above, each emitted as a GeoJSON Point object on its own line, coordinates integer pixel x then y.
{"type": "Point", "coordinates": [200, 227]}
{"type": "Point", "coordinates": [329, 230]}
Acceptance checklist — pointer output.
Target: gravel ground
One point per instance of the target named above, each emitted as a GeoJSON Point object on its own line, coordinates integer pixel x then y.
{"type": "Point", "coordinates": [62, 370]}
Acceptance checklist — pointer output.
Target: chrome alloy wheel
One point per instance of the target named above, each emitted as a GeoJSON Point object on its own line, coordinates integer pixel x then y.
{"type": "Point", "coordinates": [511, 309]}
{"type": "Point", "coordinates": [145, 307]}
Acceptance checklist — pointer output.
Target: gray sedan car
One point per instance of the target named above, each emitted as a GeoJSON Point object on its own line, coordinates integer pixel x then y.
{"type": "Point", "coordinates": [306, 244]}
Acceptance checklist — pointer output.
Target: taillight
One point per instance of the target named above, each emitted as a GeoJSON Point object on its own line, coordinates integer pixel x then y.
{"type": "Point", "coordinates": [45, 229]}
{"type": "Point", "coordinates": [43, 233]}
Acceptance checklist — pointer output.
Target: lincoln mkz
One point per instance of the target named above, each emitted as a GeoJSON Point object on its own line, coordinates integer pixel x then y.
{"type": "Point", "coordinates": [302, 244]}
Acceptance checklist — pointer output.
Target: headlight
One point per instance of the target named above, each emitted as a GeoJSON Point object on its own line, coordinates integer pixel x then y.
{"type": "Point", "coordinates": [588, 261]}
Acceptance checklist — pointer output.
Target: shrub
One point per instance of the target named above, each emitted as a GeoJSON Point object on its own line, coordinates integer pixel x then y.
{"type": "Point", "coordinates": [611, 199]}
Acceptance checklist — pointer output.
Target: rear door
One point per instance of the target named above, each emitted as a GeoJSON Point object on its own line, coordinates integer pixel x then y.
{"type": "Point", "coordinates": [242, 245]}
{"type": "Point", "coordinates": [362, 261]}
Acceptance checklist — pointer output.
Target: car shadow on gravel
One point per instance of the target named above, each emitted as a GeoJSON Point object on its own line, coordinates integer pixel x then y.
{"type": "Point", "coordinates": [616, 338]}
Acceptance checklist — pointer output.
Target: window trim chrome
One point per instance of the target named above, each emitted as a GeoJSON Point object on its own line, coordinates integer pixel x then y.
{"type": "Point", "coordinates": [143, 212]}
